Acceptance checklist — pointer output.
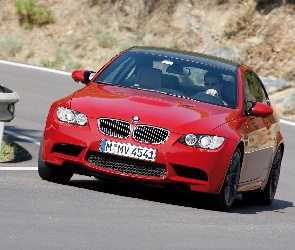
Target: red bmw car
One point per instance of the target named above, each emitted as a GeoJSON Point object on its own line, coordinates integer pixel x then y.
{"type": "Point", "coordinates": [166, 117]}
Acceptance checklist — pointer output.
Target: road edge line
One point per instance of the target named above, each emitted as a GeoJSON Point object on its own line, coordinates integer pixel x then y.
{"type": "Point", "coordinates": [287, 122]}
{"type": "Point", "coordinates": [35, 67]}
{"type": "Point", "coordinates": [18, 168]}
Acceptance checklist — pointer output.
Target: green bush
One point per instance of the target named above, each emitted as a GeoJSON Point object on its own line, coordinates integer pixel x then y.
{"type": "Point", "coordinates": [61, 59]}
{"type": "Point", "coordinates": [105, 38]}
{"type": "Point", "coordinates": [9, 47]}
{"type": "Point", "coordinates": [48, 64]}
{"type": "Point", "coordinates": [29, 14]}
{"type": "Point", "coordinates": [8, 151]}
{"type": "Point", "coordinates": [30, 53]}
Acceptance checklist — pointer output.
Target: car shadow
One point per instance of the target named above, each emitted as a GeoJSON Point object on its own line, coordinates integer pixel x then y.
{"type": "Point", "coordinates": [241, 207]}
{"type": "Point", "coordinates": [136, 191]}
{"type": "Point", "coordinates": [34, 134]}
{"type": "Point", "coordinates": [171, 197]}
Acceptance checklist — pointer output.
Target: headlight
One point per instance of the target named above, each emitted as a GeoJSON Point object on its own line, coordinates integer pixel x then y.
{"type": "Point", "coordinates": [202, 141]}
{"type": "Point", "coordinates": [71, 116]}
{"type": "Point", "coordinates": [190, 139]}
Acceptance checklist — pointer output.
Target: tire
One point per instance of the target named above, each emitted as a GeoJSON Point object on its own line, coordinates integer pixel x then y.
{"type": "Point", "coordinates": [224, 200]}
{"type": "Point", "coordinates": [51, 172]}
{"type": "Point", "coordinates": [266, 196]}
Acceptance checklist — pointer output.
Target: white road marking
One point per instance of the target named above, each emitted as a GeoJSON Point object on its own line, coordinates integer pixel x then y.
{"type": "Point", "coordinates": [17, 168]}
{"type": "Point", "coordinates": [35, 67]}
{"type": "Point", "coordinates": [287, 122]}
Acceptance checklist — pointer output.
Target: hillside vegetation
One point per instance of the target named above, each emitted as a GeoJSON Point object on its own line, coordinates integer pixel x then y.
{"type": "Point", "coordinates": [86, 33]}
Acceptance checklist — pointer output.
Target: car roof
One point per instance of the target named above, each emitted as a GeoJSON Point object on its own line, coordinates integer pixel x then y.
{"type": "Point", "coordinates": [191, 56]}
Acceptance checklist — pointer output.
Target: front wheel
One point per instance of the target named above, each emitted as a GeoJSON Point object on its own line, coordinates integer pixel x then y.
{"type": "Point", "coordinates": [224, 200]}
{"type": "Point", "coordinates": [51, 172]}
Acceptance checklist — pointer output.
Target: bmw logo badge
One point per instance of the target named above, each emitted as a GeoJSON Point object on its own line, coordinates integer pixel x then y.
{"type": "Point", "coordinates": [135, 119]}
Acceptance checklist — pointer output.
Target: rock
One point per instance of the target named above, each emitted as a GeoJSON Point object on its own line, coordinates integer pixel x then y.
{"type": "Point", "coordinates": [273, 85]}
{"type": "Point", "coordinates": [284, 104]}
{"type": "Point", "coordinates": [228, 52]}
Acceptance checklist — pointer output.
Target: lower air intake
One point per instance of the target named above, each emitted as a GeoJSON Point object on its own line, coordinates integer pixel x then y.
{"type": "Point", "coordinates": [127, 165]}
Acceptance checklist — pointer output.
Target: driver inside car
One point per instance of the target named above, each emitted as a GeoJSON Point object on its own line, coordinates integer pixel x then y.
{"type": "Point", "coordinates": [213, 84]}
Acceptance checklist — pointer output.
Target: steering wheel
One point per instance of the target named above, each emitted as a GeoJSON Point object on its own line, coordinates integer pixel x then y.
{"type": "Point", "coordinates": [203, 97]}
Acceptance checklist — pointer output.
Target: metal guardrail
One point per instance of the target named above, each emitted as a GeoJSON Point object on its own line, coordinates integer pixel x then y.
{"type": "Point", "coordinates": [8, 98]}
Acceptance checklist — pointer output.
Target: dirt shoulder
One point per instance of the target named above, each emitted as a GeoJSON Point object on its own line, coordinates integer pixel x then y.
{"type": "Point", "coordinates": [87, 33]}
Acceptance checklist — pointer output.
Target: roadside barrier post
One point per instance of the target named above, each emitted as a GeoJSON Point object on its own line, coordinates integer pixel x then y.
{"type": "Point", "coordinates": [1, 133]}
{"type": "Point", "coordinates": [8, 98]}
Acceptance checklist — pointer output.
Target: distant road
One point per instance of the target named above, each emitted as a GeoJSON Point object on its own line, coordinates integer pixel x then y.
{"type": "Point", "coordinates": [91, 214]}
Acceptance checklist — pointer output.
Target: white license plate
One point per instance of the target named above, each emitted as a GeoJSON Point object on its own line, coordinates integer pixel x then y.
{"type": "Point", "coordinates": [126, 149]}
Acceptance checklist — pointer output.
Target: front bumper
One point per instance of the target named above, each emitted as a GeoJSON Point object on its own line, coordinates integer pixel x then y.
{"type": "Point", "coordinates": [201, 169]}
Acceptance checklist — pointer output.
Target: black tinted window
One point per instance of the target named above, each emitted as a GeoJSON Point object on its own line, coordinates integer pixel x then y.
{"type": "Point", "coordinates": [168, 75]}
{"type": "Point", "coordinates": [253, 89]}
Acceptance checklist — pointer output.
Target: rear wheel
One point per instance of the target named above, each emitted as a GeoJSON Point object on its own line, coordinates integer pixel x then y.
{"type": "Point", "coordinates": [224, 200]}
{"type": "Point", "coordinates": [51, 172]}
{"type": "Point", "coordinates": [266, 196]}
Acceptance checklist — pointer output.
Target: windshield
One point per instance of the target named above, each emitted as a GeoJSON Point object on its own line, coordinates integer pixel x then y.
{"type": "Point", "coordinates": [173, 76]}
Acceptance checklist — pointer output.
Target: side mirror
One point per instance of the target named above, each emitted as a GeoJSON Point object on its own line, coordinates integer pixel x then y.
{"type": "Point", "coordinates": [82, 75]}
{"type": "Point", "coordinates": [260, 109]}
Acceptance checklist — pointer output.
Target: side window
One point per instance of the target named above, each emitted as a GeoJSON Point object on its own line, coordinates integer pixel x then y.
{"type": "Point", "coordinates": [253, 89]}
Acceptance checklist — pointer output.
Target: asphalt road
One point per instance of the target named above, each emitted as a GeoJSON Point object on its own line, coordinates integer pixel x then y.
{"type": "Point", "coordinates": [92, 214]}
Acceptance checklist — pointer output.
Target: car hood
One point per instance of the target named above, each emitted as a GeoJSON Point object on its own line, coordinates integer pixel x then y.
{"type": "Point", "coordinates": [179, 115]}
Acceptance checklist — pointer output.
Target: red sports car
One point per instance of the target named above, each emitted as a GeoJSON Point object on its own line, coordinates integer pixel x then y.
{"type": "Point", "coordinates": [169, 118]}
